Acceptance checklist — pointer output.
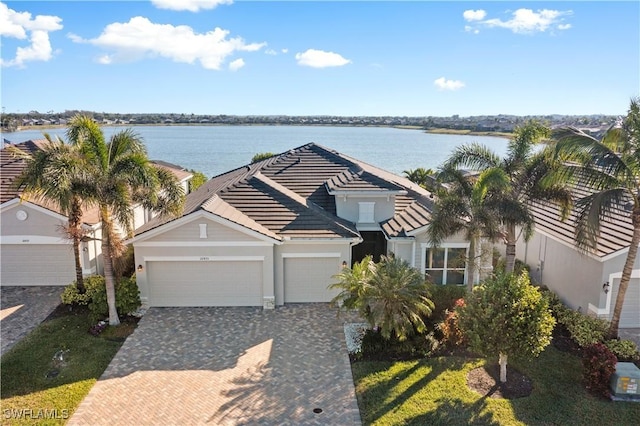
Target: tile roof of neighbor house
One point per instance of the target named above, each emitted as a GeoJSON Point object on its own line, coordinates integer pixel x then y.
{"type": "Point", "coordinates": [615, 232]}
{"type": "Point", "coordinates": [180, 172]}
{"type": "Point", "coordinates": [288, 195]}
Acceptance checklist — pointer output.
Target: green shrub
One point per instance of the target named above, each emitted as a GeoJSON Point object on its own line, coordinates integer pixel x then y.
{"type": "Point", "coordinates": [127, 296]}
{"type": "Point", "coordinates": [376, 346]}
{"type": "Point", "coordinates": [624, 350]}
{"type": "Point", "coordinates": [127, 299]}
{"type": "Point", "coordinates": [584, 330]}
{"type": "Point", "coordinates": [70, 295]}
{"type": "Point", "coordinates": [444, 298]}
{"type": "Point", "coordinates": [599, 364]}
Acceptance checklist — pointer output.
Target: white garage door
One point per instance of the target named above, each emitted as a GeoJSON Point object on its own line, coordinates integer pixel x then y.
{"type": "Point", "coordinates": [630, 315]}
{"type": "Point", "coordinates": [221, 283]}
{"type": "Point", "coordinates": [36, 264]}
{"type": "Point", "coordinates": [306, 279]}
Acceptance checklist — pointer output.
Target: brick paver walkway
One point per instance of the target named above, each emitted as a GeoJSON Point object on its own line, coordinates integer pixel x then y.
{"type": "Point", "coordinates": [228, 366]}
{"type": "Point", "coordinates": [22, 309]}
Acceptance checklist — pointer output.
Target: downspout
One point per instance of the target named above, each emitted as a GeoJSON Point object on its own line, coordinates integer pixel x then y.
{"type": "Point", "coordinates": [413, 253]}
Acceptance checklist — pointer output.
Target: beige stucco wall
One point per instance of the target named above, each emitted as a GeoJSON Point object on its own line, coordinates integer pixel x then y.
{"type": "Point", "coordinates": [191, 232]}
{"type": "Point", "coordinates": [349, 209]}
{"type": "Point", "coordinates": [37, 223]}
{"type": "Point", "coordinates": [576, 278]}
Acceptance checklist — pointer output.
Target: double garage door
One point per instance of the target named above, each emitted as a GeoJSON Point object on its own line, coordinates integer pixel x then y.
{"type": "Point", "coordinates": [237, 283]}
{"type": "Point", "coordinates": [208, 283]}
{"type": "Point", "coordinates": [36, 264]}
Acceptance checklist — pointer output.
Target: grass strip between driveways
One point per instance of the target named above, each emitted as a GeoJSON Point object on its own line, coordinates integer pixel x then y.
{"type": "Point", "coordinates": [433, 391]}
{"type": "Point", "coordinates": [36, 389]}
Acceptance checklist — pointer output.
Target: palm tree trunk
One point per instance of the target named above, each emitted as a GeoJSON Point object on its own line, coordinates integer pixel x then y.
{"type": "Point", "coordinates": [471, 264]}
{"type": "Point", "coordinates": [626, 275]}
{"type": "Point", "coordinates": [75, 230]}
{"type": "Point", "coordinates": [109, 279]}
{"type": "Point", "coordinates": [510, 256]}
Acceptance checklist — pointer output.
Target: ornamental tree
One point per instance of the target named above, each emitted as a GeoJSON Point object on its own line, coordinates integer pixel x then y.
{"type": "Point", "coordinates": [507, 316]}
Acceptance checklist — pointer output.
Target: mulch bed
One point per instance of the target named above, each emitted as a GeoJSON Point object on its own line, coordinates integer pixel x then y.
{"type": "Point", "coordinates": [563, 342]}
{"type": "Point", "coordinates": [486, 381]}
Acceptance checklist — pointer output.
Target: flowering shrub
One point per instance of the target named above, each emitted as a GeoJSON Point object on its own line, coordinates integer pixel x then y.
{"type": "Point", "coordinates": [599, 364]}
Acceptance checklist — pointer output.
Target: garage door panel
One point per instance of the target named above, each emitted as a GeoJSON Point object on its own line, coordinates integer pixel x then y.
{"type": "Point", "coordinates": [306, 279]}
{"type": "Point", "coordinates": [630, 315]}
{"type": "Point", "coordinates": [36, 264]}
{"type": "Point", "coordinates": [205, 283]}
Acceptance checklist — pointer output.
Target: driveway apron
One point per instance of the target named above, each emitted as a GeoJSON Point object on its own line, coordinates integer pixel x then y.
{"type": "Point", "coordinates": [23, 308]}
{"type": "Point", "coordinates": [228, 366]}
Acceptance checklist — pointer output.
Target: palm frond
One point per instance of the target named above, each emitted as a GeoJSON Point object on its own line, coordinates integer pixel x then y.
{"type": "Point", "coordinates": [474, 156]}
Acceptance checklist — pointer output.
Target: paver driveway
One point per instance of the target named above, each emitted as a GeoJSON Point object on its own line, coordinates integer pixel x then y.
{"type": "Point", "coordinates": [220, 366]}
{"type": "Point", "coordinates": [22, 309]}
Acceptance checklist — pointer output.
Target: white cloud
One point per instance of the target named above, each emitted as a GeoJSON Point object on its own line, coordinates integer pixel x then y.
{"type": "Point", "coordinates": [470, 29]}
{"type": "Point", "coordinates": [271, 52]}
{"type": "Point", "coordinates": [320, 59]}
{"type": "Point", "coordinates": [523, 21]}
{"type": "Point", "coordinates": [190, 5]}
{"type": "Point", "coordinates": [444, 84]}
{"type": "Point", "coordinates": [474, 15]}
{"type": "Point", "coordinates": [236, 65]}
{"type": "Point", "coordinates": [140, 38]}
{"type": "Point", "coordinates": [20, 25]}
{"type": "Point", "coordinates": [285, 50]}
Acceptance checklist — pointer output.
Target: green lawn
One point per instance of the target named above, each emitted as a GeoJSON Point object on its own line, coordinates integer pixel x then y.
{"type": "Point", "coordinates": [433, 391]}
{"type": "Point", "coordinates": [28, 393]}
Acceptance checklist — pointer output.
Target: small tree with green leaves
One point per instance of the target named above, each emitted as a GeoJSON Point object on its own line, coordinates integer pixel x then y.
{"type": "Point", "coordinates": [507, 316]}
{"type": "Point", "coordinates": [197, 180]}
{"type": "Point", "coordinates": [390, 295]}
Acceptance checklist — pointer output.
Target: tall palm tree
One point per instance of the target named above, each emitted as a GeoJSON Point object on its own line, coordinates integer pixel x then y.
{"type": "Point", "coordinates": [611, 168]}
{"type": "Point", "coordinates": [468, 205]}
{"type": "Point", "coordinates": [525, 169]}
{"type": "Point", "coordinates": [120, 175]}
{"type": "Point", "coordinates": [54, 173]}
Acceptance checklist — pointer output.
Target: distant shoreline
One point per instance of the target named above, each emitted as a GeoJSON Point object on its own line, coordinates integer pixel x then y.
{"type": "Point", "coordinates": [440, 131]}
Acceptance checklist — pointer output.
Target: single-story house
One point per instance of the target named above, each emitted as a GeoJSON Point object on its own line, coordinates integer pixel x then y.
{"type": "Point", "coordinates": [586, 282]}
{"type": "Point", "coordinates": [34, 248]}
{"type": "Point", "coordinates": [276, 231]}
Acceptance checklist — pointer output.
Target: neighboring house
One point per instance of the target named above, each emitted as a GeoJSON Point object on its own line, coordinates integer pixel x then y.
{"type": "Point", "coordinates": [34, 248]}
{"type": "Point", "coordinates": [276, 231]}
{"type": "Point", "coordinates": [587, 282]}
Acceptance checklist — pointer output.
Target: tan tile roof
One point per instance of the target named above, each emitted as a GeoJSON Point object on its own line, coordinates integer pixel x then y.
{"type": "Point", "coordinates": [615, 232]}
{"type": "Point", "coordinates": [178, 171]}
{"type": "Point", "coordinates": [288, 196]}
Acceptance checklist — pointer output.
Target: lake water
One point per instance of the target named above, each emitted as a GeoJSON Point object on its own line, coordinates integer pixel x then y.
{"type": "Point", "coordinates": [217, 149]}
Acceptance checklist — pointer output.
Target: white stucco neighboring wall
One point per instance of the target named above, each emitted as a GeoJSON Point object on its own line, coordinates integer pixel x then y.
{"type": "Point", "coordinates": [348, 207]}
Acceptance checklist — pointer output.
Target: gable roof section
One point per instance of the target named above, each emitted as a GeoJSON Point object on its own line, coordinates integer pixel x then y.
{"type": "Point", "coordinates": [287, 195]}
{"type": "Point", "coordinates": [181, 173]}
{"type": "Point", "coordinates": [615, 232]}
{"type": "Point", "coordinates": [11, 167]}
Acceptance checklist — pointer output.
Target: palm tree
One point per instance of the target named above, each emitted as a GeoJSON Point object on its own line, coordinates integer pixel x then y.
{"type": "Point", "coordinates": [421, 176]}
{"type": "Point", "coordinates": [468, 205]}
{"type": "Point", "coordinates": [120, 175]}
{"type": "Point", "coordinates": [390, 294]}
{"type": "Point", "coordinates": [54, 173]}
{"type": "Point", "coordinates": [525, 170]}
{"type": "Point", "coordinates": [611, 168]}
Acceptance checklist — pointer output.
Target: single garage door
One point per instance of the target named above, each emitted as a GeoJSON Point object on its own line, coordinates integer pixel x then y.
{"type": "Point", "coordinates": [212, 283]}
{"type": "Point", "coordinates": [630, 315]}
{"type": "Point", "coordinates": [36, 264]}
{"type": "Point", "coordinates": [307, 279]}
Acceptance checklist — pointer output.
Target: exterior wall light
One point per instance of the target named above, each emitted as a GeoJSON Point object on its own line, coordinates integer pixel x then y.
{"type": "Point", "coordinates": [605, 287]}
{"type": "Point", "coordinates": [140, 268]}
{"type": "Point", "coordinates": [344, 263]}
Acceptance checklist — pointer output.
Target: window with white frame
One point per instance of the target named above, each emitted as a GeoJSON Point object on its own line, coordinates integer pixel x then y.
{"type": "Point", "coordinates": [366, 212]}
{"type": "Point", "coordinates": [446, 265]}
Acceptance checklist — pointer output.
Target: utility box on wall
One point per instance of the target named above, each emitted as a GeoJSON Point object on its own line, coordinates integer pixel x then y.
{"type": "Point", "coordinates": [626, 379]}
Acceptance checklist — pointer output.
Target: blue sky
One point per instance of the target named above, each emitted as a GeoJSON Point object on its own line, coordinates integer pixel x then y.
{"type": "Point", "coordinates": [320, 58]}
